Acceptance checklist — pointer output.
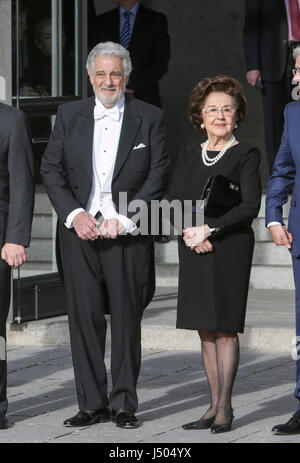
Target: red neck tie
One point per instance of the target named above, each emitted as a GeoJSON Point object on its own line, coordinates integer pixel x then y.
{"type": "Point", "coordinates": [295, 19]}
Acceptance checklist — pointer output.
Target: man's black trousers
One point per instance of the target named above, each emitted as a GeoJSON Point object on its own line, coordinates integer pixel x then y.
{"type": "Point", "coordinates": [115, 276]}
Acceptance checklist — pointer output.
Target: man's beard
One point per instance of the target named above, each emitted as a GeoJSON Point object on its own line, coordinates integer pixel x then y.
{"type": "Point", "coordinates": [109, 101]}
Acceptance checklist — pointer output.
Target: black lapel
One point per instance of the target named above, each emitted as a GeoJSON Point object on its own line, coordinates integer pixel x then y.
{"type": "Point", "coordinates": [138, 28]}
{"type": "Point", "coordinates": [130, 126]}
{"type": "Point", "coordinates": [87, 136]}
{"type": "Point", "coordinates": [115, 25]}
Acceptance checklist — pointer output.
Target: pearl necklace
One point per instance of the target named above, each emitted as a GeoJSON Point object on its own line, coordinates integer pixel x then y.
{"type": "Point", "coordinates": [211, 161]}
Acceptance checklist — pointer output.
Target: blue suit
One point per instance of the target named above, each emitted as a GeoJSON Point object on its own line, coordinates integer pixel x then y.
{"type": "Point", "coordinates": [286, 173]}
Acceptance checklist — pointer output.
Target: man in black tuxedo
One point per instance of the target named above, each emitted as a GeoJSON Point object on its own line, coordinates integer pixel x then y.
{"type": "Point", "coordinates": [144, 33]}
{"type": "Point", "coordinates": [16, 208]}
{"type": "Point", "coordinates": [266, 55]}
{"type": "Point", "coordinates": [99, 148]}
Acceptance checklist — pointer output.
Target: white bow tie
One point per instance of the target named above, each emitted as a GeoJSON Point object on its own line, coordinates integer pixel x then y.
{"type": "Point", "coordinates": [113, 113]}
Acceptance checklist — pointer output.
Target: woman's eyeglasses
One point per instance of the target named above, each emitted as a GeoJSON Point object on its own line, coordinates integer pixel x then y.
{"type": "Point", "coordinates": [227, 111]}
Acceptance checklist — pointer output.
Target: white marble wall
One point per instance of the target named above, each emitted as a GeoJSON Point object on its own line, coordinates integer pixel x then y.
{"type": "Point", "coordinates": [5, 51]}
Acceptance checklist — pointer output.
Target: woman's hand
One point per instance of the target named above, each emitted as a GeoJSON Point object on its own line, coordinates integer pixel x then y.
{"type": "Point", "coordinates": [206, 246]}
{"type": "Point", "coordinates": [194, 236]}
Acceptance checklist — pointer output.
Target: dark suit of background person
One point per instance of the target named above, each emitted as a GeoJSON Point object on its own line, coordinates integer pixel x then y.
{"type": "Point", "coordinates": [266, 50]}
{"type": "Point", "coordinates": [149, 49]}
{"type": "Point", "coordinates": [16, 208]}
{"type": "Point", "coordinates": [286, 173]}
{"type": "Point", "coordinates": [118, 274]}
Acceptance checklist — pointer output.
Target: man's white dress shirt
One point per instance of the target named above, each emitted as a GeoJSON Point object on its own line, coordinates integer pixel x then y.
{"type": "Point", "coordinates": [107, 129]}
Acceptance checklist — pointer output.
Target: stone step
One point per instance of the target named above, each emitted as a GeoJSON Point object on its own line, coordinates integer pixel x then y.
{"type": "Point", "coordinates": [40, 250]}
{"type": "Point", "coordinates": [166, 274]}
{"type": "Point", "coordinates": [166, 252]}
{"type": "Point", "coordinates": [269, 325]}
{"type": "Point", "coordinates": [36, 268]}
{"type": "Point", "coordinates": [42, 226]}
{"type": "Point", "coordinates": [272, 277]}
{"type": "Point", "coordinates": [262, 276]}
{"type": "Point", "coordinates": [260, 231]}
{"type": "Point", "coordinates": [265, 253]}
{"type": "Point", "coordinates": [42, 203]}
{"type": "Point", "coordinates": [55, 332]}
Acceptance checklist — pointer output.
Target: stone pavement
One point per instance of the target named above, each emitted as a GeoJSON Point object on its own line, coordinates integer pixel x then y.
{"type": "Point", "coordinates": [172, 386]}
{"type": "Point", "coordinates": [172, 390]}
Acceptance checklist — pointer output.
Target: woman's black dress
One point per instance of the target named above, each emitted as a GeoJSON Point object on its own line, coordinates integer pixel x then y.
{"type": "Point", "coordinates": [213, 287]}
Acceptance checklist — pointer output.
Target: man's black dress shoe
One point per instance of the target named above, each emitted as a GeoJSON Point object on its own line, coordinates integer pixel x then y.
{"type": "Point", "coordinates": [124, 420]}
{"type": "Point", "coordinates": [200, 424]}
{"type": "Point", "coordinates": [3, 421]}
{"type": "Point", "coordinates": [88, 418]}
{"type": "Point", "coordinates": [292, 426]}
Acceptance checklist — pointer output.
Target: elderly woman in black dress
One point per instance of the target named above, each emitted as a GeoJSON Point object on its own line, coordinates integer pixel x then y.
{"type": "Point", "coordinates": [215, 259]}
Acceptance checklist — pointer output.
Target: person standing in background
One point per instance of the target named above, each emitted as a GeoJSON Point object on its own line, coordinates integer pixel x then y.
{"type": "Point", "coordinates": [293, 17]}
{"type": "Point", "coordinates": [144, 33]}
{"type": "Point", "coordinates": [16, 210]}
{"type": "Point", "coordinates": [266, 55]}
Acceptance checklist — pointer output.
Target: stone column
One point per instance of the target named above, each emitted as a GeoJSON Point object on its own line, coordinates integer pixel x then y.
{"type": "Point", "coordinates": [5, 52]}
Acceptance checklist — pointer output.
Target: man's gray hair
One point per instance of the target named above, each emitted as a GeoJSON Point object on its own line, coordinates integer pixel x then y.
{"type": "Point", "coordinates": [109, 49]}
{"type": "Point", "coordinates": [296, 52]}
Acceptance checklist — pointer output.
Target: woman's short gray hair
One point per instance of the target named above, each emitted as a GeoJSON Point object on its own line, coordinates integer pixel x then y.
{"type": "Point", "coordinates": [296, 52]}
{"type": "Point", "coordinates": [109, 49]}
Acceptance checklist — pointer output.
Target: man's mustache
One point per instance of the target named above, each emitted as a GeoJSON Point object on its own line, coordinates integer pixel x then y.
{"type": "Point", "coordinates": [109, 88]}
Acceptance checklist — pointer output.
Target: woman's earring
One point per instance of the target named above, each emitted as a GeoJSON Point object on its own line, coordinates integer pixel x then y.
{"type": "Point", "coordinates": [236, 126]}
{"type": "Point", "coordinates": [202, 126]}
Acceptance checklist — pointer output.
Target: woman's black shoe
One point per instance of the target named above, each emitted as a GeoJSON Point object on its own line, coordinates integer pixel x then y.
{"type": "Point", "coordinates": [200, 424]}
{"type": "Point", "coordinates": [225, 427]}
{"type": "Point", "coordinates": [3, 421]}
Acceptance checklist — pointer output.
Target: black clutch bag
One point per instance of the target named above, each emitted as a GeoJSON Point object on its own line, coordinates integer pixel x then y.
{"type": "Point", "coordinates": [220, 195]}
